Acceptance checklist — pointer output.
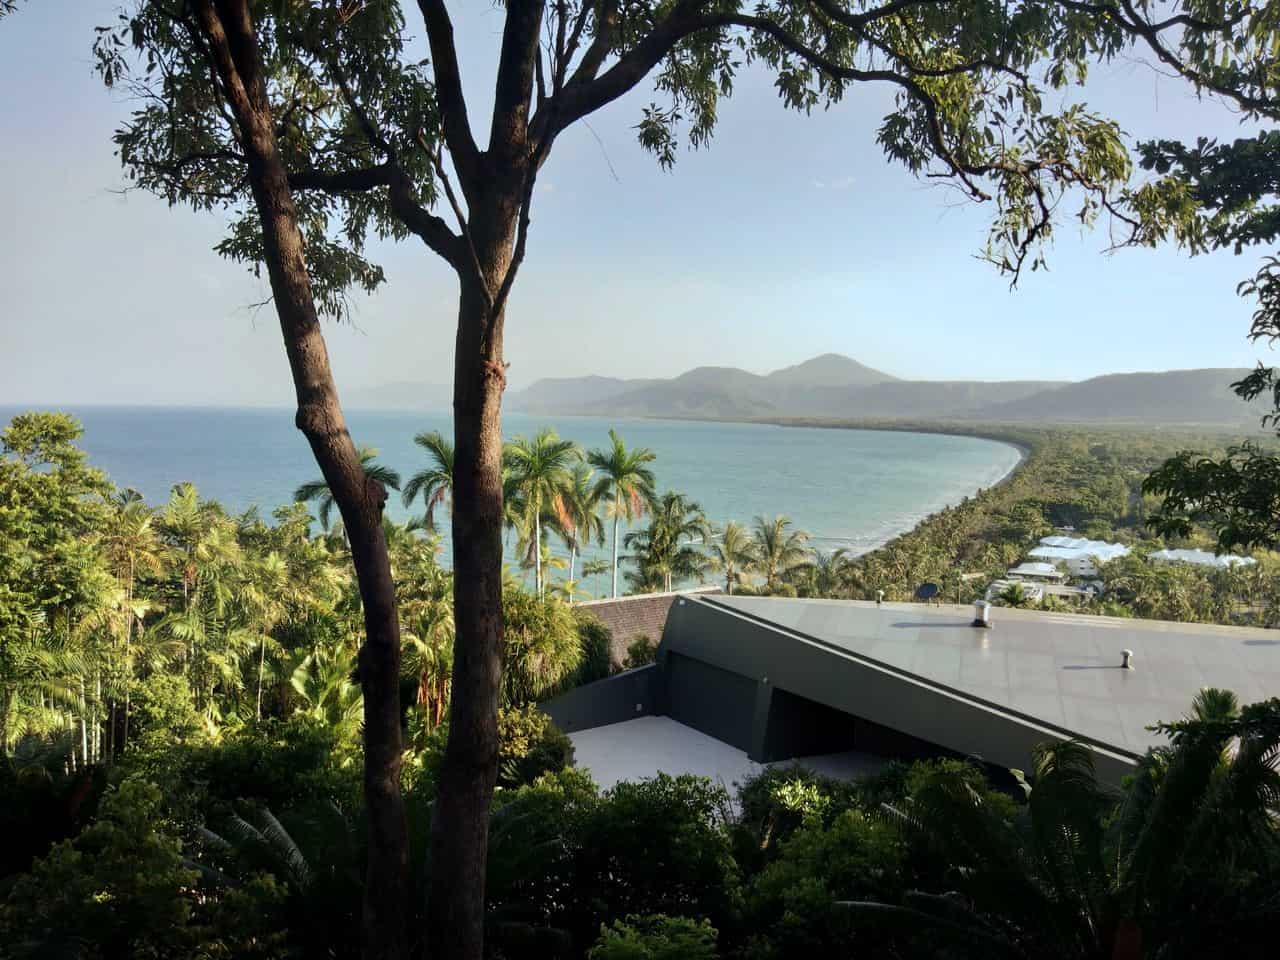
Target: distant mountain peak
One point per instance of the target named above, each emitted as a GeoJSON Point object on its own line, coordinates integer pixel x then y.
{"type": "Point", "coordinates": [830, 370]}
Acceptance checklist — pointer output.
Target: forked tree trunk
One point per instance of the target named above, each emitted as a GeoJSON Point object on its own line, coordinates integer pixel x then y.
{"type": "Point", "coordinates": [229, 33]}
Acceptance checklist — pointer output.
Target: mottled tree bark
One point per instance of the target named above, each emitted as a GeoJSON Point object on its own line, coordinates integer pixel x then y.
{"type": "Point", "coordinates": [229, 37]}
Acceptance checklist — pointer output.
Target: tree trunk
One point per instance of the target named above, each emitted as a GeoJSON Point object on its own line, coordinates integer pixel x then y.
{"type": "Point", "coordinates": [262, 660]}
{"type": "Point", "coordinates": [615, 547]}
{"type": "Point", "coordinates": [460, 826]}
{"type": "Point", "coordinates": [229, 31]}
{"type": "Point", "coordinates": [537, 555]}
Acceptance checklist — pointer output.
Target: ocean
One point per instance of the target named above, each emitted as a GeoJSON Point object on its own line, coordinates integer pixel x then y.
{"type": "Point", "coordinates": [847, 488]}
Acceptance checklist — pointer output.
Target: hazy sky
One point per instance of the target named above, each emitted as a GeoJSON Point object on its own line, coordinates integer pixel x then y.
{"type": "Point", "coordinates": [790, 236]}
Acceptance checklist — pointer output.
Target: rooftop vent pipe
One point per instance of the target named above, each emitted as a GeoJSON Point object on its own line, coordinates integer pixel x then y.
{"type": "Point", "coordinates": [879, 597]}
{"type": "Point", "coordinates": [1126, 659]}
{"type": "Point", "coordinates": [982, 614]}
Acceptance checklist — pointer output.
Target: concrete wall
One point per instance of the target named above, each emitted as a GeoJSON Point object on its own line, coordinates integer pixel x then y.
{"type": "Point", "coordinates": [717, 702]}
{"type": "Point", "coordinates": [623, 696]}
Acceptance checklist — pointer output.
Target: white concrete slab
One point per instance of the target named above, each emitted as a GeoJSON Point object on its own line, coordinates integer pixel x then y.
{"type": "Point", "coordinates": [640, 748]}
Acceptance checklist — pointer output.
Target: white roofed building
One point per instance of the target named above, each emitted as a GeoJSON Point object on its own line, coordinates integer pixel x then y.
{"type": "Point", "coordinates": [1201, 558]}
{"type": "Point", "coordinates": [1080, 556]}
{"type": "Point", "coordinates": [1036, 571]}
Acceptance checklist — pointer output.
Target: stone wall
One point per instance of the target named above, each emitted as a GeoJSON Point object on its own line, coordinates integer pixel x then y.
{"type": "Point", "coordinates": [640, 615]}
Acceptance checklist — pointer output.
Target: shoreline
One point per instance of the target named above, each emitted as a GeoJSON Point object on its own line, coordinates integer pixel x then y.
{"type": "Point", "coordinates": [1024, 447]}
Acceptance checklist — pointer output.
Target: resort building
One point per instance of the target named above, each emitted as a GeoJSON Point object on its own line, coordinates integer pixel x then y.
{"type": "Point", "coordinates": [1201, 558]}
{"type": "Point", "coordinates": [743, 681]}
{"type": "Point", "coordinates": [1033, 570]}
{"type": "Point", "coordinates": [1081, 557]}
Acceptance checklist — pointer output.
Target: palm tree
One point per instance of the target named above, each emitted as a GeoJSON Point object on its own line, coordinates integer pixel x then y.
{"type": "Point", "coordinates": [580, 522]}
{"type": "Point", "coordinates": [627, 481]}
{"type": "Point", "coordinates": [540, 472]}
{"type": "Point", "coordinates": [323, 682]}
{"type": "Point", "coordinates": [782, 551]}
{"type": "Point", "coordinates": [829, 572]}
{"type": "Point", "coordinates": [318, 490]}
{"type": "Point", "coordinates": [735, 552]}
{"type": "Point", "coordinates": [1014, 596]}
{"type": "Point", "coordinates": [433, 482]}
{"type": "Point", "coordinates": [1180, 865]}
{"type": "Point", "coordinates": [666, 550]}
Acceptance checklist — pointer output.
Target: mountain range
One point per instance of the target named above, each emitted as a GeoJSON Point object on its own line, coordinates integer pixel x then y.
{"type": "Point", "coordinates": [835, 386]}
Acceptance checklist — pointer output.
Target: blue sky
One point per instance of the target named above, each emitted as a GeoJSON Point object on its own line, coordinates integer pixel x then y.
{"type": "Point", "coordinates": [788, 237]}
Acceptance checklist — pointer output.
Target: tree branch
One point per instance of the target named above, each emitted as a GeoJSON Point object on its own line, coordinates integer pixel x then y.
{"type": "Point", "coordinates": [466, 156]}
{"type": "Point", "coordinates": [508, 131]}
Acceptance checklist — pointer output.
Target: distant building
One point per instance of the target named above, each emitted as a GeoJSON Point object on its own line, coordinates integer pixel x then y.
{"type": "Point", "coordinates": [1081, 557]}
{"type": "Point", "coordinates": [1036, 571]}
{"type": "Point", "coordinates": [1201, 558]}
{"type": "Point", "coordinates": [1031, 592]}
{"type": "Point", "coordinates": [773, 679]}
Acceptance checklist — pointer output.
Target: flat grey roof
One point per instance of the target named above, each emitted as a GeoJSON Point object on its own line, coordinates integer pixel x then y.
{"type": "Point", "coordinates": [1061, 670]}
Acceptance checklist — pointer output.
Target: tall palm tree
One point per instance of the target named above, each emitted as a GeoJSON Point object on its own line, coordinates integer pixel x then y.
{"type": "Point", "coordinates": [580, 522]}
{"type": "Point", "coordinates": [627, 481]}
{"type": "Point", "coordinates": [735, 552]}
{"type": "Point", "coordinates": [829, 572]}
{"type": "Point", "coordinates": [433, 482]}
{"type": "Point", "coordinates": [667, 548]}
{"type": "Point", "coordinates": [318, 490]}
{"type": "Point", "coordinates": [540, 472]}
{"type": "Point", "coordinates": [782, 550]}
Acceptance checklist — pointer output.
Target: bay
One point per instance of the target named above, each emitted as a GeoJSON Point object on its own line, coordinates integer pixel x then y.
{"type": "Point", "coordinates": [847, 488]}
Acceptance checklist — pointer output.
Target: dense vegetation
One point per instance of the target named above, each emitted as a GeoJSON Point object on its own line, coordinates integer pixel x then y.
{"type": "Point", "coordinates": [1090, 480]}
{"type": "Point", "coordinates": [180, 730]}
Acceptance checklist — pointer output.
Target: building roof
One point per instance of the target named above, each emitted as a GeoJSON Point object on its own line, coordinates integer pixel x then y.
{"type": "Point", "coordinates": [1202, 558]}
{"type": "Point", "coordinates": [1033, 569]}
{"type": "Point", "coordinates": [1056, 674]}
{"type": "Point", "coordinates": [1075, 548]}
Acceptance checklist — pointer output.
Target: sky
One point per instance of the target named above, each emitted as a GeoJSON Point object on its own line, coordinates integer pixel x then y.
{"type": "Point", "coordinates": [789, 236]}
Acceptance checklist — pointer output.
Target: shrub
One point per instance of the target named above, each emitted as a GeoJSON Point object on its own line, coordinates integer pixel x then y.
{"type": "Point", "coordinates": [116, 887]}
{"type": "Point", "coordinates": [596, 642]}
{"type": "Point", "coordinates": [164, 714]}
{"type": "Point", "coordinates": [792, 904]}
{"type": "Point", "coordinates": [660, 846]}
{"type": "Point", "coordinates": [279, 763]}
{"type": "Point", "coordinates": [641, 651]}
{"type": "Point", "coordinates": [529, 745]}
{"type": "Point", "coordinates": [655, 937]}
{"type": "Point", "coordinates": [776, 802]}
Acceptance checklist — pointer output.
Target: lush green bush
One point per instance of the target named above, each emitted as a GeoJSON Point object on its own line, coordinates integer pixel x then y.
{"type": "Point", "coordinates": [655, 937]}
{"type": "Point", "coordinates": [164, 715]}
{"type": "Point", "coordinates": [597, 650]}
{"type": "Point", "coordinates": [279, 763]}
{"type": "Point", "coordinates": [529, 745]}
{"type": "Point", "coordinates": [792, 903]}
{"type": "Point", "coordinates": [641, 651]}
{"type": "Point", "coordinates": [775, 803]}
{"type": "Point", "coordinates": [657, 846]}
{"type": "Point", "coordinates": [122, 889]}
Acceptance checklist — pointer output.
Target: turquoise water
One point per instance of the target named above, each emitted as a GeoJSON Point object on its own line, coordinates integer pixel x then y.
{"type": "Point", "coordinates": [849, 488]}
